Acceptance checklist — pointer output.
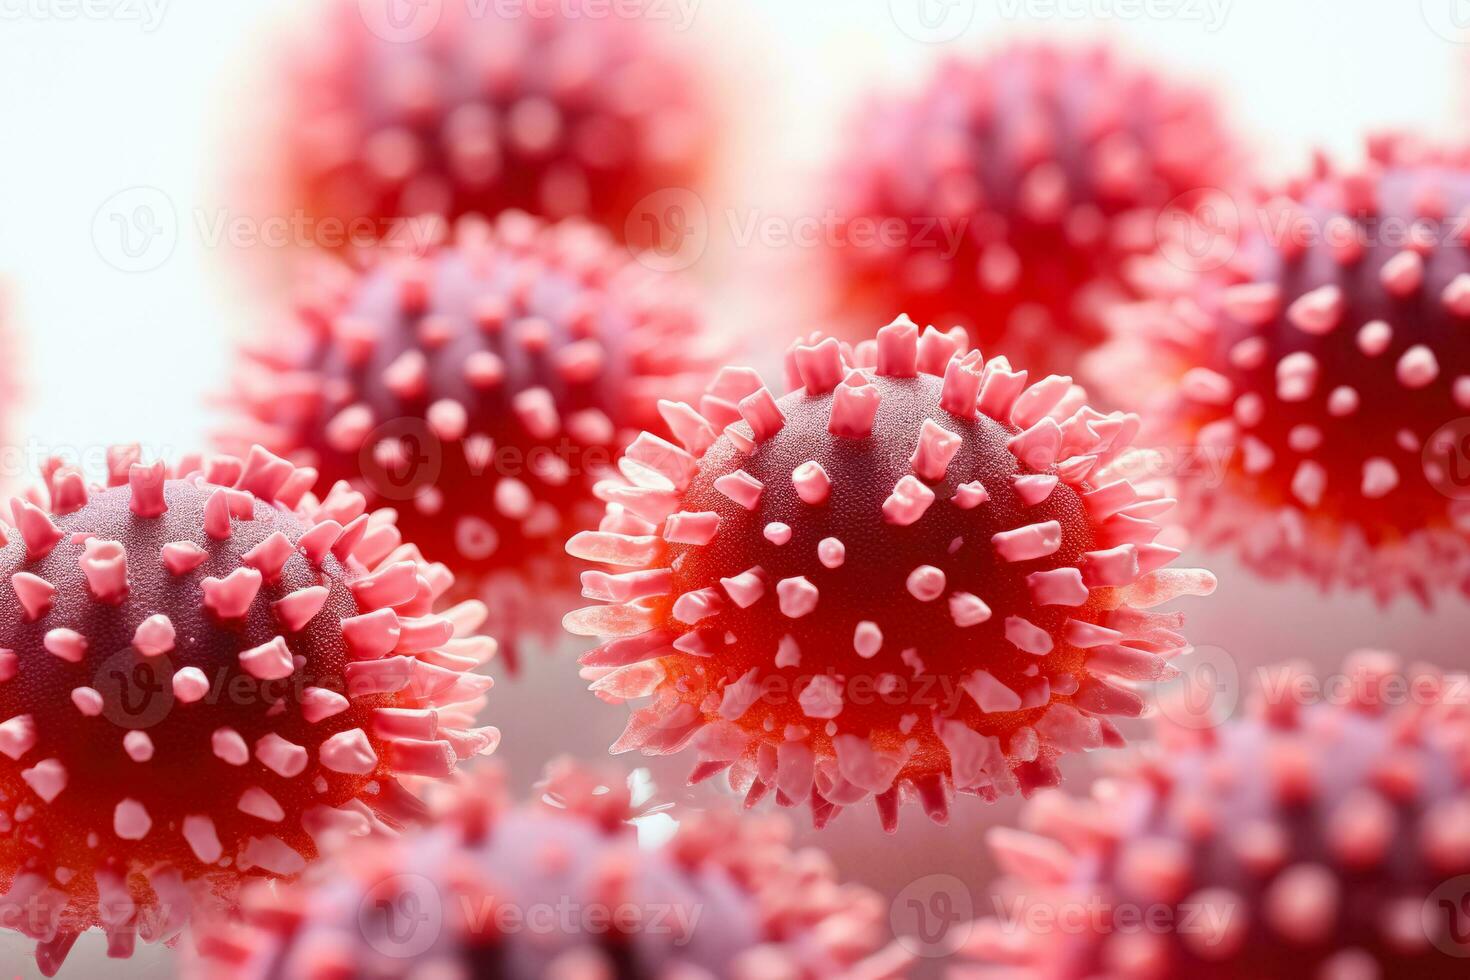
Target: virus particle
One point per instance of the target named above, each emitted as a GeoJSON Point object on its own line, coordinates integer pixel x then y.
{"type": "Point", "coordinates": [913, 575]}
{"type": "Point", "coordinates": [481, 388]}
{"type": "Point", "coordinates": [1322, 838]}
{"type": "Point", "coordinates": [559, 887]}
{"type": "Point", "coordinates": [1314, 383]}
{"type": "Point", "coordinates": [543, 110]}
{"type": "Point", "coordinates": [202, 672]}
{"type": "Point", "coordinates": [1004, 195]}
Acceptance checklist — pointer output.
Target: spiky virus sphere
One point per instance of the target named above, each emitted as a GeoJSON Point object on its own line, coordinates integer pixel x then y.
{"type": "Point", "coordinates": [481, 389]}
{"type": "Point", "coordinates": [559, 887]}
{"type": "Point", "coordinates": [202, 671]}
{"type": "Point", "coordinates": [1299, 387]}
{"type": "Point", "coordinates": [1004, 195]}
{"type": "Point", "coordinates": [911, 576]}
{"type": "Point", "coordinates": [544, 106]}
{"type": "Point", "coordinates": [1306, 840]}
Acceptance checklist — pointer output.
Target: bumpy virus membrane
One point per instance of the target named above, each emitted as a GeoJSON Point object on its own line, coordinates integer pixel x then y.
{"type": "Point", "coordinates": [913, 575]}
{"type": "Point", "coordinates": [1314, 389]}
{"type": "Point", "coordinates": [1308, 840]}
{"type": "Point", "coordinates": [560, 888]}
{"type": "Point", "coordinates": [481, 389]}
{"type": "Point", "coordinates": [204, 670]}
{"type": "Point", "coordinates": [1019, 182]}
{"type": "Point", "coordinates": [553, 110]}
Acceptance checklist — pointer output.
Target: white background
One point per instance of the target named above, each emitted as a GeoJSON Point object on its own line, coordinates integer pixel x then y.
{"type": "Point", "coordinates": [103, 97]}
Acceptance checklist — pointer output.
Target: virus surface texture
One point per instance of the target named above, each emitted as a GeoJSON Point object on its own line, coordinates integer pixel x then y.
{"type": "Point", "coordinates": [1322, 840]}
{"type": "Point", "coordinates": [1017, 184]}
{"type": "Point", "coordinates": [1320, 379]}
{"type": "Point", "coordinates": [550, 110]}
{"type": "Point", "coordinates": [559, 887]}
{"type": "Point", "coordinates": [202, 672]}
{"type": "Point", "coordinates": [912, 575]}
{"type": "Point", "coordinates": [481, 389]}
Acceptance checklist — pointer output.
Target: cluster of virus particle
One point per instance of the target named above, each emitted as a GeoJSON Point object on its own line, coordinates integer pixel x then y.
{"type": "Point", "coordinates": [1004, 196]}
{"type": "Point", "coordinates": [559, 887]}
{"type": "Point", "coordinates": [912, 575]}
{"type": "Point", "coordinates": [549, 109]}
{"type": "Point", "coordinates": [1312, 392]}
{"type": "Point", "coordinates": [213, 627]}
{"type": "Point", "coordinates": [481, 388]}
{"type": "Point", "coordinates": [1325, 839]}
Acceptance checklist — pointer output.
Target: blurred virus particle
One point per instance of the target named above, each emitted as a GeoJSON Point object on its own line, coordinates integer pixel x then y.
{"type": "Point", "coordinates": [1312, 393]}
{"type": "Point", "coordinates": [476, 109]}
{"type": "Point", "coordinates": [1004, 195]}
{"type": "Point", "coordinates": [481, 388]}
{"type": "Point", "coordinates": [911, 576]}
{"type": "Point", "coordinates": [559, 887]}
{"type": "Point", "coordinates": [204, 670]}
{"type": "Point", "coordinates": [1318, 838]}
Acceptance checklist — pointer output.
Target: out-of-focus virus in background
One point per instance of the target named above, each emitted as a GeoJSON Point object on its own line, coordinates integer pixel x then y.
{"type": "Point", "coordinates": [481, 388]}
{"type": "Point", "coordinates": [1325, 835]}
{"type": "Point", "coordinates": [559, 887]}
{"type": "Point", "coordinates": [465, 109]}
{"type": "Point", "coordinates": [1309, 389]}
{"type": "Point", "coordinates": [205, 671]}
{"type": "Point", "coordinates": [913, 575]}
{"type": "Point", "coordinates": [1004, 194]}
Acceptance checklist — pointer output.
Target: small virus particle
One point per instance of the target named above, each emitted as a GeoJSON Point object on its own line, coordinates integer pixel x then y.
{"type": "Point", "coordinates": [1315, 388]}
{"type": "Point", "coordinates": [544, 110]}
{"type": "Point", "coordinates": [559, 887]}
{"type": "Point", "coordinates": [1017, 185]}
{"type": "Point", "coordinates": [202, 672]}
{"type": "Point", "coordinates": [911, 576]}
{"type": "Point", "coordinates": [481, 388]}
{"type": "Point", "coordinates": [1320, 838]}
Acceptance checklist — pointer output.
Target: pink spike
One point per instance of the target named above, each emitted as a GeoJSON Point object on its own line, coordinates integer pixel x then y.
{"type": "Point", "coordinates": [270, 556]}
{"type": "Point", "coordinates": [968, 496]}
{"type": "Point", "coordinates": [298, 608]}
{"type": "Point", "coordinates": [762, 414]}
{"type": "Point", "coordinates": [138, 746]}
{"type": "Point", "coordinates": [392, 585]}
{"type": "Point", "coordinates": [46, 779]}
{"type": "Point", "coordinates": [1317, 312]}
{"type": "Point", "coordinates": [87, 700]}
{"type": "Point", "coordinates": [17, 736]}
{"type": "Point", "coordinates": [745, 589]}
{"type": "Point", "coordinates": [812, 484]}
{"type": "Point", "coordinates": [1058, 587]}
{"type": "Point", "coordinates": [926, 583]}
{"type": "Point", "coordinates": [831, 553]}
{"type": "Point", "coordinates": [318, 703]}
{"type": "Point", "coordinates": [34, 593]}
{"type": "Point", "coordinates": [190, 685]}
{"type": "Point", "coordinates": [371, 635]}
{"type": "Point", "coordinates": [36, 529]}
{"type": "Point", "coordinates": [146, 483]}
{"type": "Point", "coordinates": [797, 597]}
{"type": "Point", "coordinates": [154, 636]}
{"type": "Point", "coordinates": [741, 487]}
{"type": "Point", "coordinates": [348, 752]}
{"type": "Point", "coordinates": [1417, 367]}
{"type": "Point", "coordinates": [203, 840]}
{"type": "Point", "coordinates": [820, 367]}
{"type": "Point", "coordinates": [936, 448]}
{"type": "Point", "coordinates": [692, 528]}
{"type": "Point", "coordinates": [961, 390]}
{"type": "Point", "coordinates": [130, 821]}
{"type": "Point", "coordinates": [182, 556]}
{"type": "Point", "coordinates": [967, 610]}
{"type": "Point", "coordinates": [1029, 542]}
{"type": "Point", "coordinates": [898, 349]}
{"type": "Point", "coordinates": [270, 661]}
{"type": "Point", "coordinates": [105, 565]}
{"type": "Point", "coordinates": [854, 407]}
{"type": "Point", "coordinates": [318, 540]}
{"type": "Point", "coordinates": [217, 515]}
{"type": "Point", "coordinates": [231, 596]}
{"type": "Point", "coordinates": [907, 503]}
{"type": "Point", "coordinates": [229, 747]}
{"type": "Point", "coordinates": [65, 644]}
{"type": "Point", "coordinates": [1027, 636]}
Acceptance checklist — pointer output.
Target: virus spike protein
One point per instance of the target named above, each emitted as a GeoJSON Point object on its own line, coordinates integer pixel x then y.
{"type": "Point", "coordinates": [203, 673]}
{"type": "Point", "coordinates": [482, 389]}
{"type": "Point", "coordinates": [1306, 840]}
{"type": "Point", "coordinates": [1321, 372]}
{"type": "Point", "coordinates": [912, 576]}
{"type": "Point", "coordinates": [724, 897]}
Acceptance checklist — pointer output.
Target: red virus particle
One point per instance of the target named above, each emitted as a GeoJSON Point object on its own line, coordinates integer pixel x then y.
{"type": "Point", "coordinates": [1004, 195]}
{"type": "Point", "coordinates": [1312, 385]}
{"type": "Point", "coordinates": [913, 575]}
{"type": "Point", "coordinates": [202, 671]}
{"type": "Point", "coordinates": [552, 109]}
{"type": "Point", "coordinates": [1324, 839]}
{"type": "Point", "coordinates": [559, 887]}
{"type": "Point", "coordinates": [481, 388]}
